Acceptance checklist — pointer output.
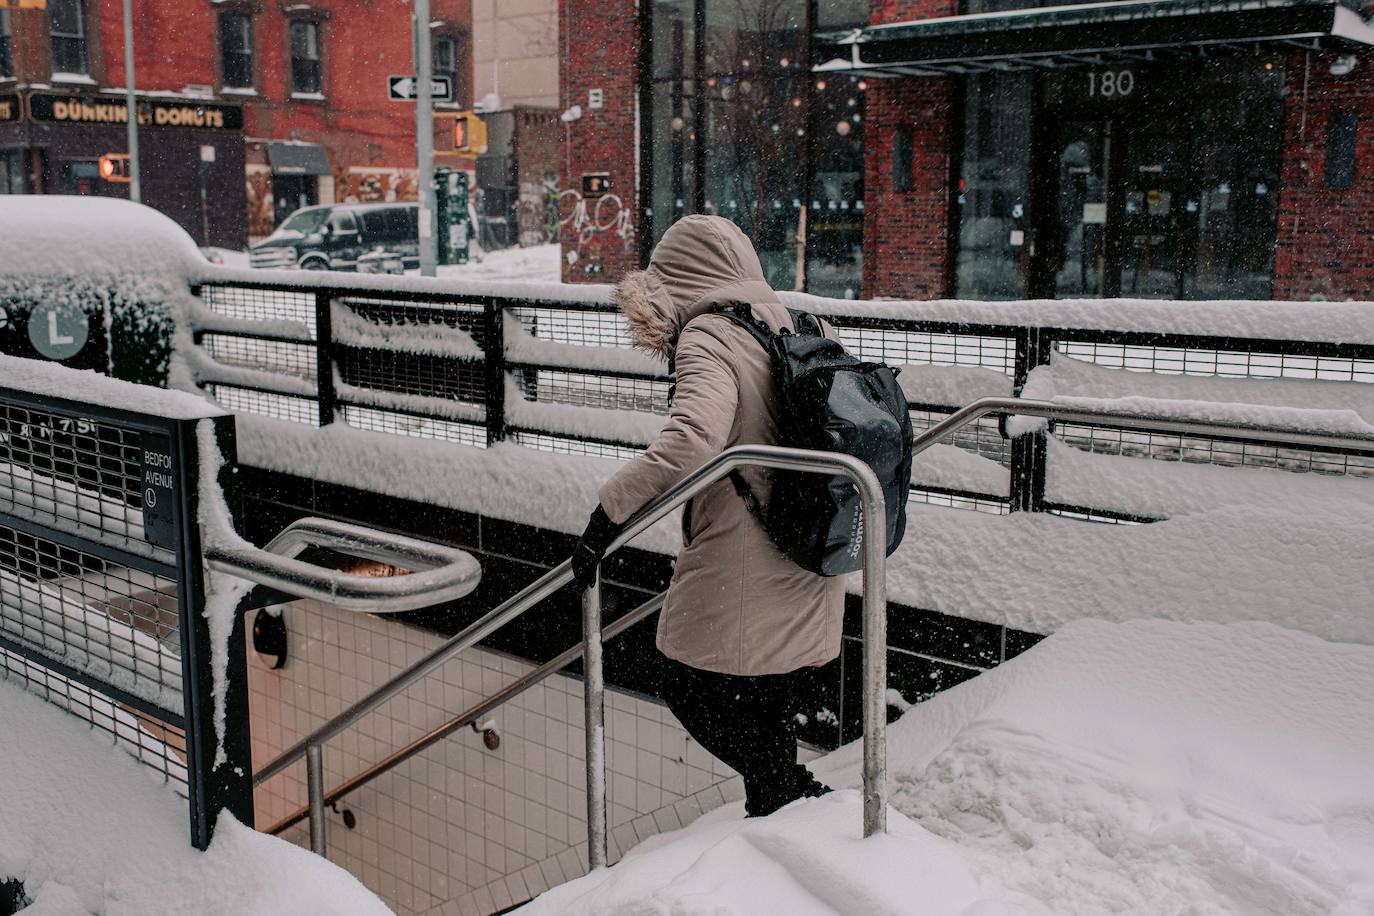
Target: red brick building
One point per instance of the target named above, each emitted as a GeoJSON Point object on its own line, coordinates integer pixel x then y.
{"type": "Point", "coordinates": [297, 94]}
{"type": "Point", "coordinates": [991, 149]}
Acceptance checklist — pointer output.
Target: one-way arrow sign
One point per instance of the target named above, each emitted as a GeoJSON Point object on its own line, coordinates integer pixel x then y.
{"type": "Point", "coordinates": [403, 88]}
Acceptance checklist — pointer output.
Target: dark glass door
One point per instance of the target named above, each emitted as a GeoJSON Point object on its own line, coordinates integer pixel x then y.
{"type": "Point", "coordinates": [1076, 243]}
{"type": "Point", "coordinates": [1158, 209]}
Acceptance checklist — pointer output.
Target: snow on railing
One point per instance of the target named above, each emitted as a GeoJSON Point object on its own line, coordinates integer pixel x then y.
{"type": "Point", "coordinates": [563, 377]}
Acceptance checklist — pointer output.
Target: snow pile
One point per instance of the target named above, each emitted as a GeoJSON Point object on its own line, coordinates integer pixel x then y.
{"type": "Point", "coordinates": [1141, 768]}
{"type": "Point", "coordinates": [537, 262]}
{"type": "Point", "coordinates": [36, 376]}
{"type": "Point", "coordinates": [1299, 405]}
{"type": "Point", "coordinates": [93, 239]}
{"type": "Point", "coordinates": [89, 830]}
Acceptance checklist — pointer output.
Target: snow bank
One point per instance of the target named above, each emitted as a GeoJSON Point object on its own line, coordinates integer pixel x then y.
{"type": "Point", "coordinates": [95, 239]}
{"type": "Point", "coordinates": [1298, 563]}
{"type": "Point", "coordinates": [35, 376]}
{"type": "Point", "coordinates": [88, 831]}
{"type": "Point", "coordinates": [1142, 768]}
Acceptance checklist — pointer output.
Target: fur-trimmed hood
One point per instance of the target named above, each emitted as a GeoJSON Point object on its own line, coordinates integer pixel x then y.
{"type": "Point", "coordinates": [701, 262]}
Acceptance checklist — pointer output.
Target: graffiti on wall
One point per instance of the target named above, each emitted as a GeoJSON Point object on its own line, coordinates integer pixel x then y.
{"type": "Point", "coordinates": [608, 214]}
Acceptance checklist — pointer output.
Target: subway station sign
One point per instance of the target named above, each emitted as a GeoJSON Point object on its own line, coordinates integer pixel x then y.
{"type": "Point", "coordinates": [52, 108]}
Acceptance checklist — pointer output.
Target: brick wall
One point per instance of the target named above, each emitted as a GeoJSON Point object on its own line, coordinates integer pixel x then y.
{"type": "Point", "coordinates": [603, 54]}
{"type": "Point", "coordinates": [906, 233]}
{"type": "Point", "coordinates": [1325, 235]}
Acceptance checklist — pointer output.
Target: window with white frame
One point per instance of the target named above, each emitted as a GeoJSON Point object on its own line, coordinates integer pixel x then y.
{"type": "Point", "coordinates": [67, 27]}
{"type": "Point", "coordinates": [305, 58]}
{"type": "Point", "coordinates": [236, 49]}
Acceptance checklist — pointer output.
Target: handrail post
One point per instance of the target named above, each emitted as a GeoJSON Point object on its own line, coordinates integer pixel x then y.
{"type": "Point", "coordinates": [326, 398]}
{"type": "Point", "coordinates": [314, 784]}
{"type": "Point", "coordinates": [875, 654]}
{"type": "Point", "coordinates": [594, 697]}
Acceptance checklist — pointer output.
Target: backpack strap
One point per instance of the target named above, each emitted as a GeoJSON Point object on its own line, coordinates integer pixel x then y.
{"type": "Point", "coordinates": [806, 323]}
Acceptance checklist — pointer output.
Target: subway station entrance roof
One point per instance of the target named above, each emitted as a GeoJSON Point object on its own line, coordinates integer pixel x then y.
{"type": "Point", "coordinates": [1092, 34]}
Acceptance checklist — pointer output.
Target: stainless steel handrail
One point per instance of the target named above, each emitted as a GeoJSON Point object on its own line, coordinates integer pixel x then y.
{"type": "Point", "coordinates": [777, 458]}
{"type": "Point", "coordinates": [472, 714]}
{"type": "Point", "coordinates": [439, 572]}
{"type": "Point", "coordinates": [874, 603]}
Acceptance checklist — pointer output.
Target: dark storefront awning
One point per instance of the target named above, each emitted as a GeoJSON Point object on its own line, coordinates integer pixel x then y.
{"type": "Point", "coordinates": [297, 159]}
{"type": "Point", "coordinates": [1092, 34]}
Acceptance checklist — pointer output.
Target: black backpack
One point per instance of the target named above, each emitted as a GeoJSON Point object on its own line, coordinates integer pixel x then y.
{"type": "Point", "coordinates": [829, 401]}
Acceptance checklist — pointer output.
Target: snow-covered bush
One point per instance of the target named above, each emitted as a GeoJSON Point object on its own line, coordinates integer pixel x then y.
{"type": "Point", "coordinates": [123, 266]}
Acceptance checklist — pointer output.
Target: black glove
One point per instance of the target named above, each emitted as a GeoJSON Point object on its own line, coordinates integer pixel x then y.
{"type": "Point", "coordinates": [591, 547]}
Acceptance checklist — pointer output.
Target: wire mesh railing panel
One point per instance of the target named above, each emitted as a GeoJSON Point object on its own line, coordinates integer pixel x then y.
{"type": "Point", "coordinates": [971, 503]}
{"type": "Point", "coordinates": [901, 347]}
{"type": "Point", "coordinates": [587, 389]}
{"type": "Point", "coordinates": [566, 445]}
{"type": "Point", "coordinates": [70, 471]}
{"type": "Point", "coordinates": [398, 314]}
{"type": "Point", "coordinates": [266, 404]}
{"type": "Point", "coordinates": [406, 424]}
{"type": "Point", "coordinates": [568, 326]}
{"type": "Point", "coordinates": [983, 437]}
{"type": "Point", "coordinates": [416, 374]}
{"type": "Point", "coordinates": [1202, 450]}
{"type": "Point", "coordinates": [296, 360]}
{"type": "Point", "coordinates": [156, 744]}
{"type": "Point", "coordinates": [117, 624]}
{"type": "Point", "coordinates": [1227, 363]}
{"type": "Point", "coordinates": [265, 305]}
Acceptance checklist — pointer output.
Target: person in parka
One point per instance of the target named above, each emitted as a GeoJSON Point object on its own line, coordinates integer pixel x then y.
{"type": "Point", "coordinates": [741, 620]}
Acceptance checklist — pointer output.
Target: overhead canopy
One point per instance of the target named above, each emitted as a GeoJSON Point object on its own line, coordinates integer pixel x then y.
{"type": "Point", "coordinates": [297, 159]}
{"type": "Point", "coordinates": [1092, 34]}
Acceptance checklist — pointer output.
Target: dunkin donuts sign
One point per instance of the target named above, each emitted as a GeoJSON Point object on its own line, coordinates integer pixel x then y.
{"type": "Point", "coordinates": [96, 110]}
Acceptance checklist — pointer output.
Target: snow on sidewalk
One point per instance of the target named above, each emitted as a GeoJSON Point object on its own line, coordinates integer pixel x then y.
{"type": "Point", "coordinates": [89, 830]}
{"type": "Point", "coordinates": [1146, 768]}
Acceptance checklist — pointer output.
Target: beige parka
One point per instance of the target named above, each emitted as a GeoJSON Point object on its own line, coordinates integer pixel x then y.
{"type": "Point", "coordinates": [736, 604]}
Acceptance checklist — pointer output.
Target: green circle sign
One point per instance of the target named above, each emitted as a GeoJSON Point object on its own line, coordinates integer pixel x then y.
{"type": "Point", "coordinates": [58, 331]}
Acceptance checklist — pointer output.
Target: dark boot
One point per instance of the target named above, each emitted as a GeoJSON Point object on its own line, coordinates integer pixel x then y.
{"type": "Point", "coordinates": [767, 799]}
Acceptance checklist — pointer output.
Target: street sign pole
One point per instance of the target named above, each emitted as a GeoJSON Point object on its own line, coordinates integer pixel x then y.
{"type": "Point", "coordinates": [135, 190]}
{"type": "Point", "coordinates": [424, 137]}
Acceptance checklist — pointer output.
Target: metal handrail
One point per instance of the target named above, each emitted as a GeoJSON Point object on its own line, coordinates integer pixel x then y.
{"type": "Point", "coordinates": [719, 467]}
{"type": "Point", "coordinates": [874, 603]}
{"type": "Point", "coordinates": [442, 573]}
{"type": "Point", "coordinates": [471, 715]}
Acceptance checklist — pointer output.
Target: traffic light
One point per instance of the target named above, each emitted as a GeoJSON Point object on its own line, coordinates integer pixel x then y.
{"type": "Point", "coordinates": [469, 134]}
{"type": "Point", "coordinates": [115, 167]}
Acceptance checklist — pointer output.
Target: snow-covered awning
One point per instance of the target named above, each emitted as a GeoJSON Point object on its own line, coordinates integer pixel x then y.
{"type": "Point", "coordinates": [1091, 34]}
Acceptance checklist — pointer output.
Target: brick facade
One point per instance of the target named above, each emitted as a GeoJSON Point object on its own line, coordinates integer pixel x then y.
{"type": "Point", "coordinates": [604, 54]}
{"type": "Point", "coordinates": [368, 139]}
{"type": "Point", "coordinates": [906, 232]}
{"type": "Point", "coordinates": [1325, 235]}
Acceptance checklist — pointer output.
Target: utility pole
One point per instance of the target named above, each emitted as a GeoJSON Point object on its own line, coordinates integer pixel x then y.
{"type": "Point", "coordinates": [135, 191]}
{"type": "Point", "coordinates": [424, 136]}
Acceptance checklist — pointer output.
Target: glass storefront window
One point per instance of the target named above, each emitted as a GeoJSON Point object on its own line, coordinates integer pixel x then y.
{"type": "Point", "coordinates": [733, 109]}
{"type": "Point", "coordinates": [994, 205]}
{"type": "Point", "coordinates": [12, 172]}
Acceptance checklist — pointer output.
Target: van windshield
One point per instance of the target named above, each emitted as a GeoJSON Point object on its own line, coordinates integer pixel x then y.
{"type": "Point", "coordinates": [304, 221]}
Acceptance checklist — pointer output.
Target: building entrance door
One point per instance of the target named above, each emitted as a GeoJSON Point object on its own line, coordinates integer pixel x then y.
{"type": "Point", "coordinates": [1112, 190]}
{"type": "Point", "coordinates": [290, 193]}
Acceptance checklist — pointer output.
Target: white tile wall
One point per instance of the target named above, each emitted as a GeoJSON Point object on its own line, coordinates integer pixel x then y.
{"type": "Point", "coordinates": [460, 829]}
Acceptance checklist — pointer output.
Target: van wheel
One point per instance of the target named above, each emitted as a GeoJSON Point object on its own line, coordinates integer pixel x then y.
{"type": "Point", "coordinates": [314, 264]}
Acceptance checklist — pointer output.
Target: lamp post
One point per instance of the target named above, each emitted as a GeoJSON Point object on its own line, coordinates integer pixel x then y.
{"type": "Point", "coordinates": [135, 191]}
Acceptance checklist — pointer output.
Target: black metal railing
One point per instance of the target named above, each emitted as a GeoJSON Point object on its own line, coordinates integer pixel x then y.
{"type": "Point", "coordinates": [102, 584]}
{"type": "Point", "coordinates": [436, 362]}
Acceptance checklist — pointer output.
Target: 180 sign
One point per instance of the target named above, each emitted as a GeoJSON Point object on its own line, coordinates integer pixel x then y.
{"type": "Point", "coordinates": [1112, 84]}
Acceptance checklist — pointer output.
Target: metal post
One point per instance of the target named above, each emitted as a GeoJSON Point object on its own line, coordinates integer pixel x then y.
{"type": "Point", "coordinates": [875, 657]}
{"type": "Point", "coordinates": [135, 189]}
{"type": "Point", "coordinates": [594, 694]}
{"type": "Point", "coordinates": [494, 361]}
{"type": "Point", "coordinates": [326, 398]}
{"type": "Point", "coordinates": [314, 783]}
{"type": "Point", "coordinates": [424, 136]}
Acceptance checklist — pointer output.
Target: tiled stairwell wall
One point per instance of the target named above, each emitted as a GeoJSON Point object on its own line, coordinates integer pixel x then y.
{"type": "Point", "coordinates": [459, 828]}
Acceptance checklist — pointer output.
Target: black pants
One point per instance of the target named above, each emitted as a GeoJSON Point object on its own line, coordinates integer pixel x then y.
{"type": "Point", "coordinates": [747, 722]}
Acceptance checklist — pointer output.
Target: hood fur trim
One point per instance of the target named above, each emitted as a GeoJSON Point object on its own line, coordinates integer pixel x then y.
{"type": "Point", "coordinates": [649, 328]}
